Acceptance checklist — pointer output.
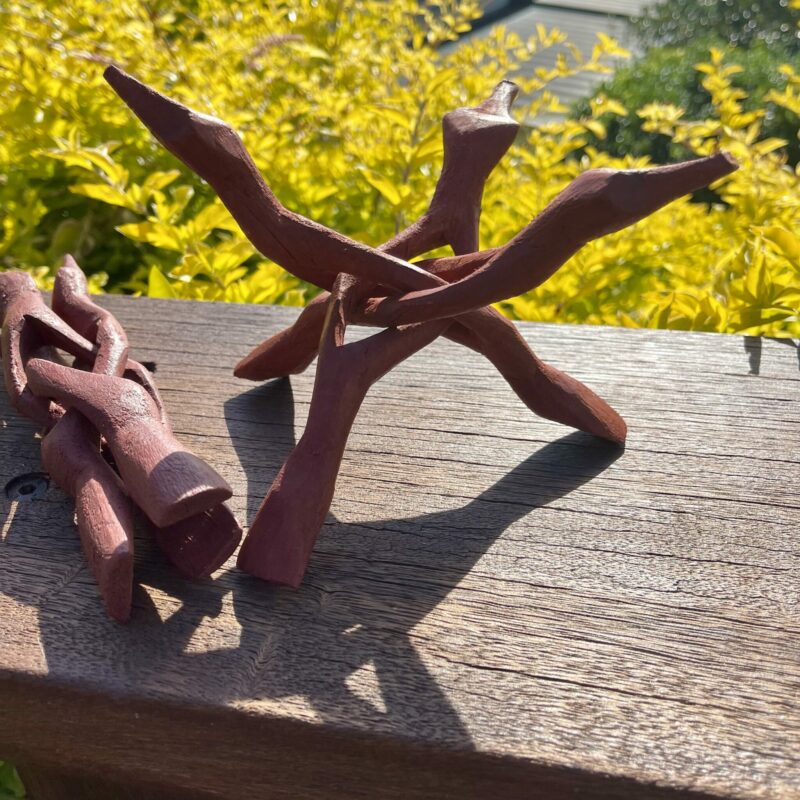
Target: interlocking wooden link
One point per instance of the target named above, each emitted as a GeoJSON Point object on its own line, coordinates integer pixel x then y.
{"type": "Point", "coordinates": [105, 397]}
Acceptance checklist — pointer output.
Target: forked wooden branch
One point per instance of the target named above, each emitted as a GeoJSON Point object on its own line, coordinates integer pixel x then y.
{"type": "Point", "coordinates": [456, 291]}
{"type": "Point", "coordinates": [201, 539]}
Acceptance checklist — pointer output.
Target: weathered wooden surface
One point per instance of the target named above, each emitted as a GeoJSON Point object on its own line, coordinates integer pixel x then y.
{"type": "Point", "coordinates": [497, 607]}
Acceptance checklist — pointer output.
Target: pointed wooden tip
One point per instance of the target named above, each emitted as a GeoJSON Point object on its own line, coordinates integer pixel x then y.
{"type": "Point", "coordinates": [163, 116]}
{"type": "Point", "coordinates": [501, 99]}
{"type": "Point", "coordinates": [69, 262]}
{"type": "Point", "coordinates": [70, 279]}
{"type": "Point", "coordinates": [635, 194]}
{"type": "Point", "coordinates": [616, 430]}
{"type": "Point", "coordinates": [206, 144]}
{"type": "Point", "coordinates": [689, 176]}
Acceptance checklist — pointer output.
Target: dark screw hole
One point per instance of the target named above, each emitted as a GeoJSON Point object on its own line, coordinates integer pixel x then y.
{"type": "Point", "coordinates": [29, 486]}
{"type": "Point", "coordinates": [150, 366]}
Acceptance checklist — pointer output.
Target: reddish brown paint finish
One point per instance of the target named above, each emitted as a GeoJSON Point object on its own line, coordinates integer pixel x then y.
{"type": "Point", "coordinates": [71, 449]}
{"type": "Point", "coordinates": [201, 543]}
{"type": "Point", "coordinates": [118, 398]}
{"type": "Point", "coordinates": [419, 302]}
{"type": "Point", "coordinates": [103, 511]}
{"type": "Point", "coordinates": [166, 481]}
{"type": "Point", "coordinates": [28, 325]}
{"type": "Point", "coordinates": [283, 533]}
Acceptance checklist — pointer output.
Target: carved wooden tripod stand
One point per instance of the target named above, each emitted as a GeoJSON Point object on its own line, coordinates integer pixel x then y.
{"type": "Point", "coordinates": [415, 302]}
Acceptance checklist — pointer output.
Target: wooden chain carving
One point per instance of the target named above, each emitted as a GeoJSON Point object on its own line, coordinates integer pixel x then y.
{"type": "Point", "coordinates": [104, 397]}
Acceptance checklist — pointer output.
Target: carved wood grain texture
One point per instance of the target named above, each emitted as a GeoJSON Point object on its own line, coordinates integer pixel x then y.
{"type": "Point", "coordinates": [497, 607]}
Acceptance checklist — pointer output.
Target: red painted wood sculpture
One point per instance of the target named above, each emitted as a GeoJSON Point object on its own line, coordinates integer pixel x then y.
{"type": "Point", "coordinates": [416, 302]}
{"type": "Point", "coordinates": [105, 396]}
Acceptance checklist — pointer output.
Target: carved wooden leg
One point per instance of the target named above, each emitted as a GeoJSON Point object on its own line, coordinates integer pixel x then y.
{"type": "Point", "coordinates": [71, 454]}
{"type": "Point", "coordinates": [284, 531]}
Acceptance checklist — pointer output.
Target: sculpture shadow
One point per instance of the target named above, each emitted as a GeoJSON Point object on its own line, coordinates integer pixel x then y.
{"type": "Point", "coordinates": [753, 348]}
{"type": "Point", "coordinates": [368, 586]}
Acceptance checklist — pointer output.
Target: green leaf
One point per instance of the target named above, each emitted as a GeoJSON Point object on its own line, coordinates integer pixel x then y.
{"type": "Point", "coordinates": [10, 785]}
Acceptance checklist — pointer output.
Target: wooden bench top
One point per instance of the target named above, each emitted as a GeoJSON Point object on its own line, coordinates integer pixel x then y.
{"type": "Point", "coordinates": [497, 607]}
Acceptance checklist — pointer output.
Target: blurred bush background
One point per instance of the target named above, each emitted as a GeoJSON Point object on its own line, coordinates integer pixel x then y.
{"type": "Point", "coordinates": [340, 104]}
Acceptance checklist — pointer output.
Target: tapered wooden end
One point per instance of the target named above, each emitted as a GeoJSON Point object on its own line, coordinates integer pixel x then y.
{"type": "Point", "coordinates": [201, 544]}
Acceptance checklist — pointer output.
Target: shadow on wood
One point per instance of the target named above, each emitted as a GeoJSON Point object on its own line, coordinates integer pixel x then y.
{"type": "Point", "coordinates": [274, 657]}
{"type": "Point", "coordinates": [453, 542]}
{"type": "Point", "coordinates": [753, 346]}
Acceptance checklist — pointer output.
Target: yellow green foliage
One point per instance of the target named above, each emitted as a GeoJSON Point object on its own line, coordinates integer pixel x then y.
{"type": "Point", "coordinates": [340, 104]}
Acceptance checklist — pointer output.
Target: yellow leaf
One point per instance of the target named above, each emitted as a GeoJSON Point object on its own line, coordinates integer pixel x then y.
{"type": "Point", "coordinates": [394, 116]}
{"type": "Point", "coordinates": [214, 215]}
{"type": "Point", "coordinates": [597, 128]}
{"type": "Point", "coordinates": [308, 50]}
{"type": "Point", "coordinates": [442, 77]}
{"type": "Point", "coordinates": [158, 180]}
{"type": "Point", "coordinates": [786, 241]}
{"type": "Point", "coordinates": [158, 285]}
{"type": "Point", "coordinates": [768, 145]}
{"type": "Point", "coordinates": [432, 146]}
{"type": "Point", "coordinates": [108, 194]}
{"type": "Point", "coordinates": [153, 232]}
{"type": "Point", "coordinates": [384, 186]}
